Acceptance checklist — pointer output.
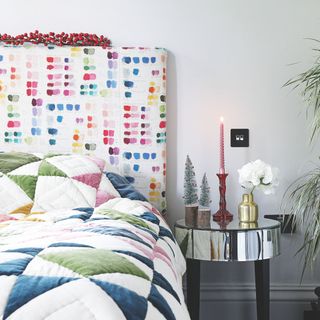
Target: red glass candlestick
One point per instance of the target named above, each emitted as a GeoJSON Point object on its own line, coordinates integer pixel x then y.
{"type": "Point", "coordinates": [223, 223]}
{"type": "Point", "coordinates": [222, 213]}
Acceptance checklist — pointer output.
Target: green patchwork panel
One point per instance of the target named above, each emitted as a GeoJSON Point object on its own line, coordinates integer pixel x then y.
{"type": "Point", "coordinates": [13, 160]}
{"type": "Point", "coordinates": [90, 262]}
{"type": "Point", "coordinates": [48, 169]}
{"type": "Point", "coordinates": [117, 215]}
{"type": "Point", "coordinates": [26, 183]}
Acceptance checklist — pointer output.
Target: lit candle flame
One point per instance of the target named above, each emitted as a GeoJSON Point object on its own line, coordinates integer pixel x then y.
{"type": "Point", "coordinates": [221, 119]}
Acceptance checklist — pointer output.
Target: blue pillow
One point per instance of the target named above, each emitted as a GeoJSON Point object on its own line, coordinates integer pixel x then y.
{"type": "Point", "coordinates": [124, 187]}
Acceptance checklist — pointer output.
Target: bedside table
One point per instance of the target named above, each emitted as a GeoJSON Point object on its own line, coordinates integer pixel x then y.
{"type": "Point", "coordinates": [258, 242]}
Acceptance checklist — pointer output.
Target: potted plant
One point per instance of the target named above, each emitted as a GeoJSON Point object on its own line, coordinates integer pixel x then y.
{"type": "Point", "coordinates": [190, 194]}
{"type": "Point", "coordinates": [303, 196]}
{"type": "Point", "coordinates": [204, 212]}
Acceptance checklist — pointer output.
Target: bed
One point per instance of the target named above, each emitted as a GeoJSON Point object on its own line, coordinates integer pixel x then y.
{"type": "Point", "coordinates": [82, 186]}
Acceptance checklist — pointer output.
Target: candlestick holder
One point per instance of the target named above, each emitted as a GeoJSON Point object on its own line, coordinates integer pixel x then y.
{"type": "Point", "coordinates": [223, 223]}
{"type": "Point", "coordinates": [222, 214]}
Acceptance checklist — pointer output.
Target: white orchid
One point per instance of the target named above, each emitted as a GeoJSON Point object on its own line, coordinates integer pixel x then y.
{"type": "Point", "coordinates": [259, 175]}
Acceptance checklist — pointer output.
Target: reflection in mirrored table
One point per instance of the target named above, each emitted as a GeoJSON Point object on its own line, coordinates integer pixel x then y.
{"type": "Point", "coordinates": [233, 241]}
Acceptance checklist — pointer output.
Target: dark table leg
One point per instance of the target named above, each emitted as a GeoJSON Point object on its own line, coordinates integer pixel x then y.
{"type": "Point", "coordinates": [193, 288]}
{"type": "Point", "coordinates": [262, 274]}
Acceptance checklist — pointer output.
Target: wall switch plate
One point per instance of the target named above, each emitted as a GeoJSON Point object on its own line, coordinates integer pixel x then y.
{"type": "Point", "coordinates": [239, 138]}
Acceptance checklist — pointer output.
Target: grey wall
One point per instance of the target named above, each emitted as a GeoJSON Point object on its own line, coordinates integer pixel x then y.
{"type": "Point", "coordinates": [230, 58]}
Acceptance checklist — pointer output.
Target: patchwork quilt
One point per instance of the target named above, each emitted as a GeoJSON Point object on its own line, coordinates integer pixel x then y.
{"type": "Point", "coordinates": [38, 183]}
{"type": "Point", "coordinates": [118, 261]}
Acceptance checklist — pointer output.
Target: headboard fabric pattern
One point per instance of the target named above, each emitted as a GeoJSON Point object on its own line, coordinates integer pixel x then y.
{"type": "Point", "coordinates": [107, 102]}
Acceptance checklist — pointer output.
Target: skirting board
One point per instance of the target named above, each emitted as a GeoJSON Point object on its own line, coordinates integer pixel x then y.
{"type": "Point", "coordinates": [245, 292]}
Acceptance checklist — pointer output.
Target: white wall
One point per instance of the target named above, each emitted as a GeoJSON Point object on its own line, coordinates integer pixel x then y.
{"type": "Point", "coordinates": [227, 57]}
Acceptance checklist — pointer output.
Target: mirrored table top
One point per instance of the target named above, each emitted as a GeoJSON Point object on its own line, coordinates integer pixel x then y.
{"type": "Point", "coordinates": [229, 240]}
{"type": "Point", "coordinates": [234, 225]}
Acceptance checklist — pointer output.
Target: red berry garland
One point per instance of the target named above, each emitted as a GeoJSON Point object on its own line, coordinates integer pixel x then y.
{"type": "Point", "coordinates": [58, 39]}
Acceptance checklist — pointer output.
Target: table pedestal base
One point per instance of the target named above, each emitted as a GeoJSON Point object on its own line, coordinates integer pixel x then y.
{"type": "Point", "coordinates": [262, 275]}
{"type": "Point", "coordinates": [262, 279]}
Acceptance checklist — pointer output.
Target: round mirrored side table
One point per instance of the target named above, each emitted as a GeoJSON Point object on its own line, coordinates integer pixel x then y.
{"type": "Point", "coordinates": [234, 241]}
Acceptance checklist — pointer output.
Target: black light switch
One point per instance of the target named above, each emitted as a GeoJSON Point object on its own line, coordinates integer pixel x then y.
{"type": "Point", "coordinates": [239, 138]}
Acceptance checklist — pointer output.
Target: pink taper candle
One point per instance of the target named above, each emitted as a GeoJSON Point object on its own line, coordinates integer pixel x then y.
{"type": "Point", "coordinates": [222, 168]}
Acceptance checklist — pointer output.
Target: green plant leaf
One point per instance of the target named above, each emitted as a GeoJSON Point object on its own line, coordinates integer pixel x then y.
{"type": "Point", "coordinates": [303, 202]}
{"type": "Point", "coordinates": [309, 82]}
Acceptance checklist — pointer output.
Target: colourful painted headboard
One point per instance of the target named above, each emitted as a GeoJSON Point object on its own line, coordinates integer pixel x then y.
{"type": "Point", "coordinates": [108, 102]}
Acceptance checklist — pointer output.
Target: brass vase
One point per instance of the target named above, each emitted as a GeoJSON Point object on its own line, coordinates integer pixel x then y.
{"type": "Point", "coordinates": [248, 209]}
{"type": "Point", "coordinates": [248, 225]}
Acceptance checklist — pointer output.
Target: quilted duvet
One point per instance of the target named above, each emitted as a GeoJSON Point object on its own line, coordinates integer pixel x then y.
{"type": "Point", "coordinates": [38, 183]}
{"type": "Point", "coordinates": [118, 261]}
{"type": "Point", "coordinates": [64, 255]}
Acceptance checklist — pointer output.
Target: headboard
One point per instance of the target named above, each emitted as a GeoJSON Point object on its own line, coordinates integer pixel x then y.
{"type": "Point", "coordinates": [108, 102]}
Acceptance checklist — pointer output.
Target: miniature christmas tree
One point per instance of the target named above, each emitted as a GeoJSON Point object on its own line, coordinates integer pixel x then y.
{"type": "Point", "coordinates": [204, 193]}
{"type": "Point", "coordinates": [190, 185]}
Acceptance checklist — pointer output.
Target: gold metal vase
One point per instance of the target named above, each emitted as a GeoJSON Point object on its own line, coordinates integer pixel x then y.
{"type": "Point", "coordinates": [248, 209]}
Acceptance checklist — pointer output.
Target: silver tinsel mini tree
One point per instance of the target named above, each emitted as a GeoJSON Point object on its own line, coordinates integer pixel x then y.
{"type": "Point", "coordinates": [190, 184]}
{"type": "Point", "coordinates": [204, 193]}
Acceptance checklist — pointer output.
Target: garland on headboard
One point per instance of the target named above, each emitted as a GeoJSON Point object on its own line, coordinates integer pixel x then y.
{"type": "Point", "coordinates": [58, 39]}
